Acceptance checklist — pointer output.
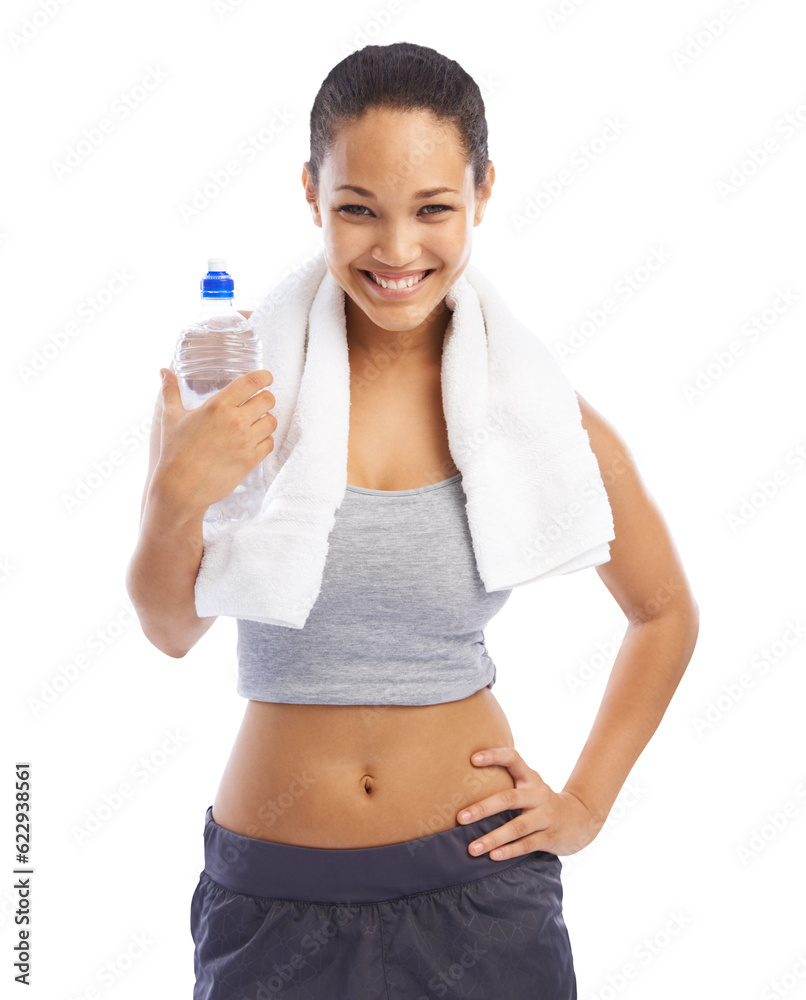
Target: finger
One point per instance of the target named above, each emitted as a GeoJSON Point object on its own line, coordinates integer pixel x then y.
{"type": "Point", "coordinates": [485, 756]}
{"type": "Point", "coordinates": [518, 836]}
{"type": "Point", "coordinates": [244, 386]}
{"type": "Point", "coordinates": [253, 381]}
{"type": "Point", "coordinates": [171, 396]}
{"type": "Point", "coordinates": [265, 426]}
{"type": "Point", "coordinates": [506, 756]}
{"type": "Point", "coordinates": [496, 803]}
{"type": "Point", "coordinates": [517, 848]}
{"type": "Point", "coordinates": [258, 405]}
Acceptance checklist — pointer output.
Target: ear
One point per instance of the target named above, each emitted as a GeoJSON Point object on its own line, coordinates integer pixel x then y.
{"type": "Point", "coordinates": [311, 194]}
{"type": "Point", "coordinates": [483, 193]}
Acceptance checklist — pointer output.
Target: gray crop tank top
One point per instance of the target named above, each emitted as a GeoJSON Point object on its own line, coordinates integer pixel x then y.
{"type": "Point", "coordinates": [400, 616]}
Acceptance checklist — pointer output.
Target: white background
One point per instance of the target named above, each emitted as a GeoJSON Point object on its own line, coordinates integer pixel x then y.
{"type": "Point", "coordinates": [691, 889]}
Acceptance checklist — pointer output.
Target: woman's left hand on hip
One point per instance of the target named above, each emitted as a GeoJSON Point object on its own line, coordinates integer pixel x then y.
{"type": "Point", "coordinates": [557, 822]}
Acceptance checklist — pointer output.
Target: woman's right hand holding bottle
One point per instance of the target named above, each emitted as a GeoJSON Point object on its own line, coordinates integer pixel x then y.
{"type": "Point", "coordinates": [207, 451]}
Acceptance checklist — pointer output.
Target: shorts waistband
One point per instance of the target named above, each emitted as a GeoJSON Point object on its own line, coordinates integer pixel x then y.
{"type": "Point", "coordinates": [352, 875]}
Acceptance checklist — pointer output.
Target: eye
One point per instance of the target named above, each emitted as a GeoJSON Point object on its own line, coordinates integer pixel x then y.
{"type": "Point", "coordinates": [442, 208]}
{"type": "Point", "coordinates": [344, 208]}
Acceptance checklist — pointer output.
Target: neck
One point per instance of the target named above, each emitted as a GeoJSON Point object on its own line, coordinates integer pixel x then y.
{"type": "Point", "coordinates": [396, 349]}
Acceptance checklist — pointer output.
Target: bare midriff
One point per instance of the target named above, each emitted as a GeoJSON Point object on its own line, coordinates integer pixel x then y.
{"type": "Point", "coordinates": [349, 776]}
{"type": "Point", "coordinates": [353, 776]}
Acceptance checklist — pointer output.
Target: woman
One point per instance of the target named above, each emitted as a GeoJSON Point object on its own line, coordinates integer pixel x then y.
{"type": "Point", "coordinates": [366, 850]}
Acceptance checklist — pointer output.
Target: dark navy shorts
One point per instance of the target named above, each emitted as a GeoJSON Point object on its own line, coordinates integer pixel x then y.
{"type": "Point", "coordinates": [418, 920]}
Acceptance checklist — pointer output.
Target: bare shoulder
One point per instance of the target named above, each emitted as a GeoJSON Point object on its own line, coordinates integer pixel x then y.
{"type": "Point", "coordinates": [246, 313]}
{"type": "Point", "coordinates": [644, 573]}
{"type": "Point", "coordinates": [605, 440]}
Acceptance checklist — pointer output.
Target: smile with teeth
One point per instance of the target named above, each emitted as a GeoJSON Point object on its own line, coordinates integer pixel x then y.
{"type": "Point", "coordinates": [413, 279]}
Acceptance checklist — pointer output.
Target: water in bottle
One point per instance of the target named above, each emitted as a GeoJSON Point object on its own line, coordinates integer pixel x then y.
{"type": "Point", "coordinates": [217, 347]}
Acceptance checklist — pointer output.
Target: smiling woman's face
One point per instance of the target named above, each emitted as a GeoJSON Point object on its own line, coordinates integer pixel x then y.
{"type": "Point", "coordinates": [378, 206]}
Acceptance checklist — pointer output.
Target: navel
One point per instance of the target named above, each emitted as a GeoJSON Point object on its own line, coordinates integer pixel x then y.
{"type": "Point", "coordinates": [368, 783]}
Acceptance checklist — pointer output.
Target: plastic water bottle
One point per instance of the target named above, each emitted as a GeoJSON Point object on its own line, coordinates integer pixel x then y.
{"type": "Point", "coordinates": [217, 347]}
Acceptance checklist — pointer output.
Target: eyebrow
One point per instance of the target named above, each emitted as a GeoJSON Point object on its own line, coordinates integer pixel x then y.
{"type": "Point", "coordinates": [429, 193]}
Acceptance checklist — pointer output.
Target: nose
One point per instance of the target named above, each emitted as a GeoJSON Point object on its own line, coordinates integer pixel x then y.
{"type": "Point", "coordinates": [396, 249]}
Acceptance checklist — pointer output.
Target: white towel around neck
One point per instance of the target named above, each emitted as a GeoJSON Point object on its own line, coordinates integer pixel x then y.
{"type": "Point", "coordinates": [536, 504]}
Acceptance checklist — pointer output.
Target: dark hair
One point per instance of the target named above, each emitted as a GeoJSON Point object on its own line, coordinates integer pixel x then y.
{"type": "Point", "coordinates": [403, 77]}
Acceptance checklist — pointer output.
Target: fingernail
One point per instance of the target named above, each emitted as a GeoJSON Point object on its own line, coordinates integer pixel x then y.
{"type": "Point", "coordinates": [464, 816]}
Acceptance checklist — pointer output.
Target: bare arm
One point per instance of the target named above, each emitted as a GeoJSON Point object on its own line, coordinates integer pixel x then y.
{"type": "Point", "coordinates": [161, 576]}
{"type": "Point", "coordinates": [647, 580]}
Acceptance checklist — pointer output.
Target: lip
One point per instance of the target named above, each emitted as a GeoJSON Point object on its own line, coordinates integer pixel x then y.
{"type": "Point", "coordinates": [397, 293]}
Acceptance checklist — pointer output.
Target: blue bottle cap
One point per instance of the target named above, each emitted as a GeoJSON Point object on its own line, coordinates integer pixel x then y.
{"type": "Point", "coordinates": [217, 284]}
